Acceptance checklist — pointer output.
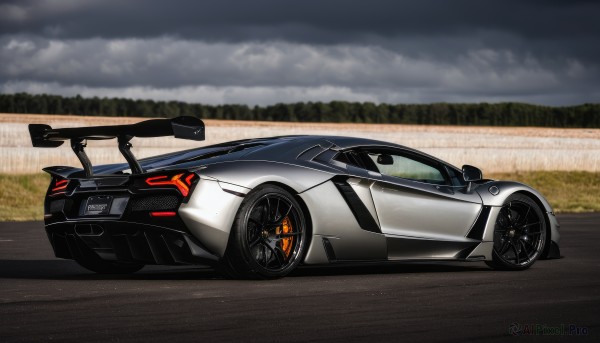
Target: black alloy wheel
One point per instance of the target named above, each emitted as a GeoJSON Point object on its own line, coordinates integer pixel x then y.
{"type": "Point", "coordinates": [519, 234]}
{"type": "Point", "coordinates": [268, 235]}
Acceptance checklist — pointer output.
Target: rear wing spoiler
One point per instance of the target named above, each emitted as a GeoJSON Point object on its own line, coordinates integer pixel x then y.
{"type": "Point", "coordinates": [185, 127]}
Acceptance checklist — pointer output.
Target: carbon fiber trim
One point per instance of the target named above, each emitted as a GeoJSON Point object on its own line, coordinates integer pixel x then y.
{"type": "Point", "coordinates": [329, 250]}
{"type": "Point", "coordinates": [360, 211]}
{"type": "Point", "coordinates": [478, 228]}
{"type": "Point", "coordinates": [127, 242]}
{"type": "Point", "coordinates": [553, 251]}
{"type": "Point", "coordinates": [409, 249]}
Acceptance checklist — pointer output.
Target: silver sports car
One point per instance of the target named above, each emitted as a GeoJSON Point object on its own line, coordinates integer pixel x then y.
{"type": "Point", "coordinates": [258, 208]}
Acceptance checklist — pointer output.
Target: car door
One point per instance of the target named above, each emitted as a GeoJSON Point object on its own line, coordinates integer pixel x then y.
{"type": "Point", "coordinates": [421, 213]}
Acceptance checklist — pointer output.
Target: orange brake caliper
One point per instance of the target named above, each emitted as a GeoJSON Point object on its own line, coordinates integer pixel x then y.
{"type": "Point", "coordinates": [286, 243]}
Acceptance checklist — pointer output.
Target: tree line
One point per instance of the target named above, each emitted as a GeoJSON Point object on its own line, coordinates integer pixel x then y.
{"type": "Point", "coordinates": [484, 114]}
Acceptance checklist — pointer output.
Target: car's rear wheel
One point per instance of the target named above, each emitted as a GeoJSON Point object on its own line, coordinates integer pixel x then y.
{"type": "Point", "coordinates": [519, 234]}
{"type": "Point", "coordinates": [268, 238]}
{"type": "Point", "coordinates": [100, 266]}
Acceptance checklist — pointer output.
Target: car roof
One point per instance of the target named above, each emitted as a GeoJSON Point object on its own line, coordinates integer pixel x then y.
{"type": "Point", "coordinates": [287, 149]}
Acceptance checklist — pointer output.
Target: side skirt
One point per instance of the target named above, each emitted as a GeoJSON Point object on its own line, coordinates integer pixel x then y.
{"type": "Point", "coordinates": [404, 248]}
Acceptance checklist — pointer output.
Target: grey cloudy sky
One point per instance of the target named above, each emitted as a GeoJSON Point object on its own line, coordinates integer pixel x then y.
{"type": "Point", "coordinates": [268, 51]}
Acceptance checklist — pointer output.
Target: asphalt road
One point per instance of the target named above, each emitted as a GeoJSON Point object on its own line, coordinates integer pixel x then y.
{"type": "Point", "coordinates": [43, 298]}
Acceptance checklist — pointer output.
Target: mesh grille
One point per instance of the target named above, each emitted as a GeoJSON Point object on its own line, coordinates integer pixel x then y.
{"type": "Point", "coordinates": [57, 205]}
{"type": "Point", "coordinates": [155, 203]}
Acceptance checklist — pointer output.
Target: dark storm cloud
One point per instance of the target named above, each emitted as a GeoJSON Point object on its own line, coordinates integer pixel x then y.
{"type": "Point", "coordinates": [336, 21]}
{"type": "Point", "coordinates": [544, 51]}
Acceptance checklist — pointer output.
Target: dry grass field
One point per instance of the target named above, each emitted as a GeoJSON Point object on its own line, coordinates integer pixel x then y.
{"type": "Point", "coordinates": [493, 149]}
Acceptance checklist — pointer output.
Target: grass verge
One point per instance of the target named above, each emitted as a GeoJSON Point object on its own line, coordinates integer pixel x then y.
{"type": "Point", "coordinates": [572, 192]}
{"type": "Point", "coordinates": [21, 196]}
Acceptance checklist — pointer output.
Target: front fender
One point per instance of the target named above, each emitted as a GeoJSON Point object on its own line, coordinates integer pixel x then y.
{"type": "Point", "coordinates": [506, 188]}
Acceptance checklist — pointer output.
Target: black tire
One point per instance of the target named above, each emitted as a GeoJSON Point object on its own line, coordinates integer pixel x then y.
{"type": "Point", "coordinates": [519, 234]}
{"type": "Point", "coordinates": [100, 266]}
{"type": "Point", "coordinates": [268, 236]}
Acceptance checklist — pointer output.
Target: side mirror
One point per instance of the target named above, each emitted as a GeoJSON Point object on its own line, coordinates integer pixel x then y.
{"type": "Point", "coordinates": [471, 174]}
{"type": "Point", "coordinates": [385, 159]}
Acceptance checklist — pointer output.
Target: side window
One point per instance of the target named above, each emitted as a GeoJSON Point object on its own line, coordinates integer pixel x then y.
{"type": "Point", "coordinates": [406, 167]}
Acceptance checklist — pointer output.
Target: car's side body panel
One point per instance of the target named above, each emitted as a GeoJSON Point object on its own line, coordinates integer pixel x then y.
{"type": "Point", "coordinates": [393, 203]}
{"type": "Point", "coordinates": [333, 220]}
{"type": "Point", "coordinates": [401, 211]}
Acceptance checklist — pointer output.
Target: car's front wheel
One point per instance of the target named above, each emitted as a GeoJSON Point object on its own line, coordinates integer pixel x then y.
{"type": "Point", "coordinates": [519, 234]}
{"type": "Point", "coordinates": [268, 238]}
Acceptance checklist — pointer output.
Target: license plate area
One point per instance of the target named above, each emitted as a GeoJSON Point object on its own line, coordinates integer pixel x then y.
{"type": "Point", "coordinates": [97, 205]}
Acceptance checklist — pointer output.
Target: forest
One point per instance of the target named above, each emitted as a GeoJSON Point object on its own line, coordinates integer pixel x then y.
{"type": "Point", "coordinates": [480, 114]}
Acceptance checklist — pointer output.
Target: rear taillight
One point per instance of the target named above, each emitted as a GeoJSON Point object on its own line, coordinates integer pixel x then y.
{"type": "Point", "coordinates": [163, 214]}
{"type": "Point", "coordinates": [182, 181]}
{"type": "Point", "coordinates": [58, 186]}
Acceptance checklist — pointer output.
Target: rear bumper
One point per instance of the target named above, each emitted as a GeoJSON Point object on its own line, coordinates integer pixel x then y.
{"type": "Point", "coordinates": [126, 242]}
{"type": "Point", "coordinates": [195, 231]}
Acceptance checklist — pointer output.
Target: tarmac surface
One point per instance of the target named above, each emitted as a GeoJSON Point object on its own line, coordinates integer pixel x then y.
{"type": "Point", "coordinates": [43, 298]}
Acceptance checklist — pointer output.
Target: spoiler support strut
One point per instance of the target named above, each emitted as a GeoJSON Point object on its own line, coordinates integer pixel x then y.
{"type": "Point", "coordinates": [78, 145]}
{"type": "Point", "coordinates": [125, 149]}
